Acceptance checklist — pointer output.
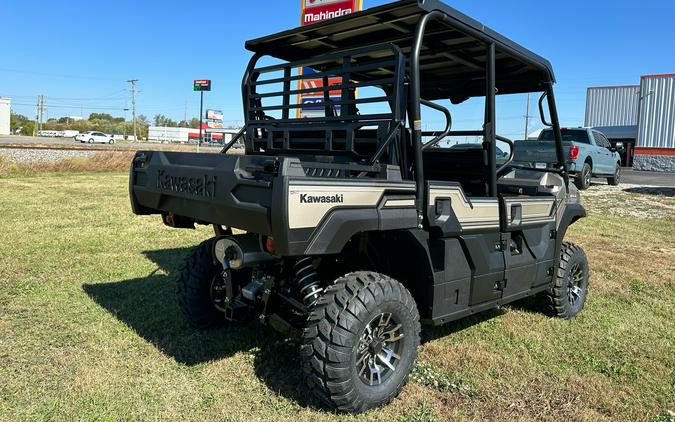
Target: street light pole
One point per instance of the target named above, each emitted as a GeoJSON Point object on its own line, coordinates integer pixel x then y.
{"type": "Point", "coordinates": [201, 112]}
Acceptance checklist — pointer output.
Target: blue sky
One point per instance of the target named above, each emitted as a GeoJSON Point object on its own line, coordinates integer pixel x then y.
{"type": "Point", "coordinates": [79, 54]}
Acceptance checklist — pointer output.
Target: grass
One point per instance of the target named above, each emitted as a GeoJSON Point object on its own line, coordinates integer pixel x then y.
{"type": "Point", "coordinates": [89, 328]}
{"type": "Point", "coordinates": [104, 162]}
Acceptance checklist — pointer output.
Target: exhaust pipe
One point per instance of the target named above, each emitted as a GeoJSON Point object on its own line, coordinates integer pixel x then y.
{"type": "Point", "coordinates": [241, 251]}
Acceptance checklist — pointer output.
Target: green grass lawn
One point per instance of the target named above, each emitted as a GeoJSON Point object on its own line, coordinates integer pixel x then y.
{"type": "Point", "coordinates": [89, 328]}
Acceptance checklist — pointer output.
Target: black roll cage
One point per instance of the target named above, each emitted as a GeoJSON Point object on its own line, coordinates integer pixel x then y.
{"type": "Point", "coordinates": [404, 76]}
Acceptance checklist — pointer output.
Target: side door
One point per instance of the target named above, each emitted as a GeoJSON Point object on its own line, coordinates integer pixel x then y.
{"type": "Point", "coordinates": [612, 157]}
{"type": "Point", "coordinates": [473, 224]}
{"type": "Point", "coordinates": [528, 235]}
{"type": "Point", "coordinates": [602, 157]}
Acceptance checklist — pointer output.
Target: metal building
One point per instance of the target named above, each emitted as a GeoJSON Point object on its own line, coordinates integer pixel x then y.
{"type": "Point", "coordinates": [612, 105]}
{"type": "Point", "coordinates": [5, 112]}
{"type": "Point", "coordinates": [639, 120]}
{"type": "Point", "coordinates": [614, 110]}
{"type": "Point", "coordinates": [656, 128]}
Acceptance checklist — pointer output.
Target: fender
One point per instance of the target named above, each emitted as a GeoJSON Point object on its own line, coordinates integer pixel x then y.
{"type": "Point", "coordinates": [571, 214]}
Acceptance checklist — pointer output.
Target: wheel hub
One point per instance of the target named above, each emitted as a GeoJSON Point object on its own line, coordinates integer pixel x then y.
{"type": "Point", "coordinates": [378, 351]}
{"type": "Point", "coordinates": [574, 287]}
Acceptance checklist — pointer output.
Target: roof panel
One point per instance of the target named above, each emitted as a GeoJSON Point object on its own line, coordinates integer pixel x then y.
{"type": "Point", "coordinates": [459, 41]}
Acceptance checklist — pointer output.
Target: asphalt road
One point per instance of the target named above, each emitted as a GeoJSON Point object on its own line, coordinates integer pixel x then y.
{"type": "Point", "coordinates": [648, 178]}
{"type": "Point", "coordinates": [61, 142]}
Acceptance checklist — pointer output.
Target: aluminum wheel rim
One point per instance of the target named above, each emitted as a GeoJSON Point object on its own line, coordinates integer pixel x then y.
{"type": "Point", "coordinates": [587, 178]}
{"type": "Point", "coordinates": [218, 293]}
{"type": "Point", "coordinates": [575, 289]}
{"type": "Point", "coordinates": [379, 350]}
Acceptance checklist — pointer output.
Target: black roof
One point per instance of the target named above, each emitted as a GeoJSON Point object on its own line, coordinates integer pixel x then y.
{"type": "Point", "coordinates": [453, 56]}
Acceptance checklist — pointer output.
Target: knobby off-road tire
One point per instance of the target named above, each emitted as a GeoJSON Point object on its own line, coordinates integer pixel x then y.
{"type": "Point", "coordinates": [193, 288]}
{"type": "Point", "coordinates": [616, 179]}
{"type": "Point", "coordinates": [583, 180]}
{"type": "Point", "coordinates": [568, 295]}
{"type": "Point", "coordinates": [360, 309]}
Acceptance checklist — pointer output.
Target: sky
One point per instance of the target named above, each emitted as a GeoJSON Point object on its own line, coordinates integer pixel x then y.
{"type": "Point", "coordinates": [80, 54]}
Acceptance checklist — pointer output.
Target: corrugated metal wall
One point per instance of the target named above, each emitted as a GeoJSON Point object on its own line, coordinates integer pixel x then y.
{"type": "Point", "coordinates": [657, 112]}
{"type": "Point", "coordinates": [612, 106]}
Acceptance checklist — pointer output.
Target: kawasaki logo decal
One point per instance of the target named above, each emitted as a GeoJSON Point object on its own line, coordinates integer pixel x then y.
{"type": "Point", "coordinates": [198, 186]}
{"type": "Point", "coordinates": [321, 199]}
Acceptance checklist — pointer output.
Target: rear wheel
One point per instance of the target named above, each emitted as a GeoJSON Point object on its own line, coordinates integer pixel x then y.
{"type": "Point", "coordinates": [568, 295]}
{"type": "Point", "coordinates": [200, 289]}
{"type": "Point", "coordinates": [616, 179]}
{"type": "Point", "coordinates": [360, 342]}
{"type": "Point", "coordinates": [583, 180]}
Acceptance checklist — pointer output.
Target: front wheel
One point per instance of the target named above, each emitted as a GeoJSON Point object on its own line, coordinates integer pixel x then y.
{"type": "Point", "coordinates": [568, 295]}
{"type": "Point", "coordinates": [360, 342]}
{"type": "Point", "coordinates": [91, 141]}
{"type": "Point", "coordinates": [112, 141]}
{"type": "Point", "coordinates": [616, 179]}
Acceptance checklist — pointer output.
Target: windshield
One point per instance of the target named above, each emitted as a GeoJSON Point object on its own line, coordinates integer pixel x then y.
{"type": "Point", "coordinates": [568, 135]}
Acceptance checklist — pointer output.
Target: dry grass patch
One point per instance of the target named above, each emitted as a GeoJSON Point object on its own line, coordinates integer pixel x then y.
{"type": "Point", "coordinates": [104, 162]}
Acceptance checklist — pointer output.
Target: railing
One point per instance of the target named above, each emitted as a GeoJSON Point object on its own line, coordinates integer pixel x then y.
{"type": "Point", "coordinates": [274, 121]}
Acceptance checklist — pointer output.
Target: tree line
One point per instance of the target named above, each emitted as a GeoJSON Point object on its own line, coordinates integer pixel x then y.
{"type": "Point", "coordinates": [100, 122]}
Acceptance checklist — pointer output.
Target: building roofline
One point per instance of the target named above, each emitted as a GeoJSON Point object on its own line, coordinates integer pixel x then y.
{"type": "Point", "coordinates": [614, 86]}
{"type": "Point", "coordinates": [657, 75]}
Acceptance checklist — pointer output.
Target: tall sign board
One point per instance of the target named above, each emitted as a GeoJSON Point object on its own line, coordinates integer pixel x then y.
{"type": "Point", "coordinates": [314, 11]}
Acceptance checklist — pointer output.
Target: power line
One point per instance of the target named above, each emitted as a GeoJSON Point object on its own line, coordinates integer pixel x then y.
{"type": "Point", "coordinates": [58, 75]}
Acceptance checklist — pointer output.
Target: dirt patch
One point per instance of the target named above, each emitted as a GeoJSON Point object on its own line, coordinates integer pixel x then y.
{"type": "Point", "coordinates": [630, 201]}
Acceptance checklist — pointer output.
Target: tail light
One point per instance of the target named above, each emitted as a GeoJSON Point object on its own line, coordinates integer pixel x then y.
{"type": "Point", "coordinates": [574, 152]}
{"type": "Point", "coordinates": [269, 245]}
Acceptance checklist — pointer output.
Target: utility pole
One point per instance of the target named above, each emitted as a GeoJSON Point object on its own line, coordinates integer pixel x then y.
{"type": "Point", "coordinates": [527, 117]}
{"type": "Point", "coordinates": [133, 106]}
{"type": "Point", "coordinates": [185, 113]}
{"type": "Point", "coordinates": [37, 115]}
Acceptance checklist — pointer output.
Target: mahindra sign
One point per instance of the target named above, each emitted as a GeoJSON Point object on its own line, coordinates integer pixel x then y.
{"type": "Point", "coordinates": [314, 11]}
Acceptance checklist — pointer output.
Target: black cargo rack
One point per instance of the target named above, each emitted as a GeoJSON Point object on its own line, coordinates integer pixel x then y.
{"type": "Point", "coordinates": [342, 128]}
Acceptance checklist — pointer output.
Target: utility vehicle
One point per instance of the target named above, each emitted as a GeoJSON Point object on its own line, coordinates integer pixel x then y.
{"type": "Point", "coordinates": [356, 226]}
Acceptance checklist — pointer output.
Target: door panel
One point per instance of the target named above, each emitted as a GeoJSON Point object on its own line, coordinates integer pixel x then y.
{"type": "Point", "coordinates": [475, 222]}
{"type": "Point", "coordinates": [529, 242]}
{"type": "Point", "coordinates": [453, 213]}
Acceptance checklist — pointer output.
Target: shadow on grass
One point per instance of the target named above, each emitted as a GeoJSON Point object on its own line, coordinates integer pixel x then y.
{"type": "Point", "coordinates": [650, 190]}
{"type": "Point", "coordinates": [430, 333]}
{"type": "Point", "coordinates": [148, 305]}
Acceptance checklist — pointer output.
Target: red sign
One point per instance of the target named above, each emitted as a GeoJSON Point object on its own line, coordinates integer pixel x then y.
{"type": "Point", "coordinates": [314, 11]}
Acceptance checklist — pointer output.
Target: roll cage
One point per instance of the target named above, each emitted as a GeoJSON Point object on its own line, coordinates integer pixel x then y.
{"type": "Point", "coordinates": [416, 51]}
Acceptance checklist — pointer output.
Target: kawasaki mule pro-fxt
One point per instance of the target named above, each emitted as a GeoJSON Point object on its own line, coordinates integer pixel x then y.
{"type": "Point", "coordinates": [356, 224]}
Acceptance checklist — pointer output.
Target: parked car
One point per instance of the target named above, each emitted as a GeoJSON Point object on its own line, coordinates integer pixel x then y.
{"type": "Point", "coordinates": [589, 154]}
{"type": "Point", "coordinates": [95, 137]}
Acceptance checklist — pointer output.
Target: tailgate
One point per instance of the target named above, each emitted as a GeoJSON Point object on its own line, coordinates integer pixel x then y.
{"type": "Point", "coordinates": [533, 152]}
{"type": "Point", "coordinates": [224, 189]}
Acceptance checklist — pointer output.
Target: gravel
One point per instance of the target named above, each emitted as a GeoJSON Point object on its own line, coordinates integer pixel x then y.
{"type": "Point", "coordinates": [28, 155]}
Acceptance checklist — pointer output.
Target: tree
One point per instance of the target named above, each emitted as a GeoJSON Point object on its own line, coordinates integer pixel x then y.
{"type": "Point", "coordinates": [194, 122]}
{"type": "Point", "coordinates": [100, 116]}
{"type": "Point", "coordinates": [16, 121]}
{"type": "Point", "coordinates": [162, 120]}
{"type": "Point", "coordinates": [142, 120]}
{"type": "Point", "coordinates": [27, 128]}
